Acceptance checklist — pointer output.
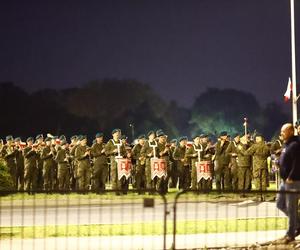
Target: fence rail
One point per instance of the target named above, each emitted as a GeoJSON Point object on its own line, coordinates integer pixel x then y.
{"type": "Point", "coordinates": [178, 220]}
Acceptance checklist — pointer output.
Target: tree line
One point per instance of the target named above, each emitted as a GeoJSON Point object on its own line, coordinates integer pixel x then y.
{"type": "Point", "coordinates": [105, 104]}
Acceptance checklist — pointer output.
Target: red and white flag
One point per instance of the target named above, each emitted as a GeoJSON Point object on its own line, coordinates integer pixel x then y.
{"type": "Point", "coordinates": [287, 94]}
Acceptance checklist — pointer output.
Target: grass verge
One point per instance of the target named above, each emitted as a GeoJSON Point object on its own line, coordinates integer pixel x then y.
{"type": "Point", "coordinates": [155, 228]}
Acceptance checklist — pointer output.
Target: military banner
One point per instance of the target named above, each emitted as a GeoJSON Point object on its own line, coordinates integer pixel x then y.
{"type": "Point", "coordinates": [124, 168]}
{"type": "Point", "coordinates": [158, 168]}
{"type": "Point", "coordinates": [203, 169]}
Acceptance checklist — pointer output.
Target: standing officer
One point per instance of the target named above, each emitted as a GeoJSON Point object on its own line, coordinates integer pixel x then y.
{"type": "Point", "coordinates": [259, 152]}
{"type": "Point", "coordinates": [222, 173]}
{"type": "Point", "coordinates": [244, 165]}
{"type": "Point", "coordinates": [82, 155]}
{"type": "Point", "coordinates": [194, 154]}
{"type": "Point", "coordinates": [19, 163]}
{"type": "Point", "coordinates": [48, 165]}
{"type": "Point", "coordinates": [233, 166]}
{"type": "Point", "coordinates": [100, 170]}
{"type": "Point", "coordinates": [30, 169]}
{"type": "Point", "coordinates": [115, 149]}
{"type": "Point", "coordinates": [63, 172]}
{"type": "Point", "coordinates": [179, 156]}
{"type": "Point", "coordinates": [173, 165]}
{"type": "Point", "coordinates": [9, 155]}
{"type": "Point", "coordinates": [140, 177]}
{"type": "Point", "coordinates": [148, 151]}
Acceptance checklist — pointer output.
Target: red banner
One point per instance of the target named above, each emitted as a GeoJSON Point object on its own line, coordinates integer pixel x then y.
{"type": "Point", "coordinates": [158, 168]}
{"type": "Point", "coordinates": [124, 168]}
{"type": "Point", "coordinates": [203, 169]}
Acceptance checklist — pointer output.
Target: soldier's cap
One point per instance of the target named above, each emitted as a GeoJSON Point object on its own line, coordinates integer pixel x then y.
{"type": "Point", "coordinates": [83, 137]}
{"type": "Point", "coordinates": [74, 137]}
{"type": "Point", "coordinates": [183, 138]}
{"type": "Point", "coordinates": [30, 139]}
{"type": "Point", "coordinates": [224, 133]}
{"type": "Point", "coordinates": [17, 139]}
{"type": "Point", "coordinates": [173, 141]}
{"type": "Point", "coordinates": [62, 138]}
{"type": "Point", "coordinates": [160, 133]}
{"type": "Point", "coordinates": [203, 136]}
{"type": "Point", "coordinates": [9, 138]}
{"type": "Point", "coordinates": [236, 135]}
{"type": "Point", "coordinates": [64, 143]}
{"type": "Point", "coordinates": [116, 130]}
{"type": "Point", "coordinates": [195, 136]}
{"type": "Point", "coordinates": [124, 137]}
{"type": "Point", "coordinates": [98, 135]}
{"type": "Point", "coordinates": [151, 132]}
{"type": "Point", "coordinates": [39, 136]}
{"type": "Point", "coordinates": [259, 135]}
{"type": "Point", "coordinates": [48, 139]}
{"type": "Point", "coordinates": [142, 137]}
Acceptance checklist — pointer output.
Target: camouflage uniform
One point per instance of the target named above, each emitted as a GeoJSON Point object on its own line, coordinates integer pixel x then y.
{"type": "Point", "coordinates": [233, 165]}
{"type": "Point", "coordinates": [222, 173]}
{"type": "Point", "coordinates": [109, 151]}
{"type": "Point", "coordinates": [140, 176]}
{"type": "Point", "coordinates": [63, 173]}
{"type": "Point", "coordinates": [9, 155]}
{"type": "Point", "coordinates": [30, 169]}
{"type": "Point", "coordinates": [20, 168]}
{"type": "Point", "coordinates": [244, 167]}
{"type": "Point", "coordinates": [147, 153]}
{"type": "Point", "coordinates": [48, 168]}
{"type": "Point", "coordinates": [192, 155]}
{"type": "Point", "coordinates": [83, 173]}
{"type": "Point", "coordinates": [100, 169]}
{"type": "Point", "coordinates": [260, 152]}
{"type": "Point", "coordinates": [179, 156]}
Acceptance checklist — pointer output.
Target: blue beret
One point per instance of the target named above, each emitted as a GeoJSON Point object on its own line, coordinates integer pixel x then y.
{"type": "Point", "coordinates": [160, 133]}
{"type": "Point", "coordinates": [195, 136]}
{"type": "Point", "coordinates": [62, 138]}
{"type": "Point", "coordinates": [223, 133]}
{"type": "Point", "coordinates": [236, 135]}
{"type": "Point", "coordinates": [74, 137]}
{"type": "Point", "coordinates": [183, 138]}
{"type": "Point", "coordinates": [99, 135]}
{"type": "Point", "coordinates": [30, 139]}
{"type": "Point", "coordinates": [9, 138]}
{"type": "Point", "coordinates": [18, 139]}
{"type": "Point", "coordinates": [142, 137]}
{"type": "Point", "coordinates": [151, 132]}
{"type": "Point", "coordinates": [39, 136]}
{"type": "Point", "coordinates": [83, 137]}
{"type": "Point", "coordinates": [173, 141]}
{"type": "Point", "coordinates": [124, 137]}
{"type": "Point", "coordinates": [115, 131]}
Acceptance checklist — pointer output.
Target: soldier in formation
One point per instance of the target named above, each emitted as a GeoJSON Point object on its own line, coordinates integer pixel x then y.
{"type": "Point", "coordinates": [52, 163]}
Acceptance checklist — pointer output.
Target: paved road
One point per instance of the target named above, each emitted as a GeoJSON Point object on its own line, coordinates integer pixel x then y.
{"type": "Point", "coordinates": [131, 213]}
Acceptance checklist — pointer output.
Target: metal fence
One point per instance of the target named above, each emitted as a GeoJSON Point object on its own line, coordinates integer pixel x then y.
{"type": "Point", "coordinates": [178, 220]}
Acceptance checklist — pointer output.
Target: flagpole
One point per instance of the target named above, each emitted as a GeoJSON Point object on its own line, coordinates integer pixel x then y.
{"type": "Point", "coordinates": [293, 51]}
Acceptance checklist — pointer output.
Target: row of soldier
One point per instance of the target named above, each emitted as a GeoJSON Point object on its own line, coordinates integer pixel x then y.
{"type": "Point", "coordinates": [152, 163]}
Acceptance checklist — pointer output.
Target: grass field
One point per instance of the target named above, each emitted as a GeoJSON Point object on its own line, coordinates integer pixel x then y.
{"type": "Point", "coordinates": [156, 228]}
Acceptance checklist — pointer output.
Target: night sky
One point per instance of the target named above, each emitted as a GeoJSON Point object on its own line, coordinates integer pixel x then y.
{"type": "Point", "coordinates": [178, 47]}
